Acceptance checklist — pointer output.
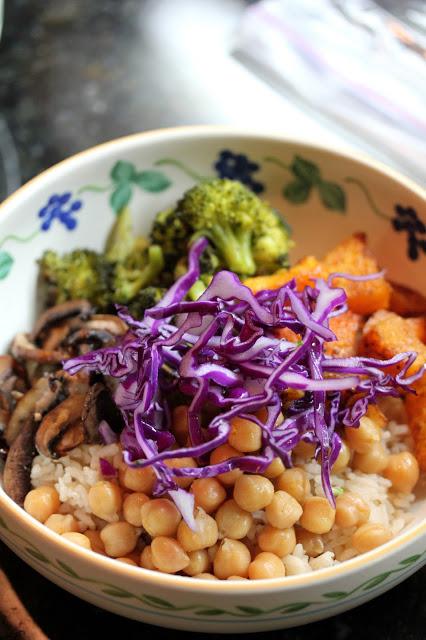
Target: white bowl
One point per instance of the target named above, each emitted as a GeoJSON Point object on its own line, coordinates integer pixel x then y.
{"type": "Point", "coordinates": [325, 196]}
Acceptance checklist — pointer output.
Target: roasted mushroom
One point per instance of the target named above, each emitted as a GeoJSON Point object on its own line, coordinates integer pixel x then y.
{"type": "Point", "coordinates": [17, 469]}
{"type": "Point", "coordinates": [55, 315]}
{"type": "Point", "coordinates": [99, 405]}
{"type": "Point", "coordinates": [61, 429]}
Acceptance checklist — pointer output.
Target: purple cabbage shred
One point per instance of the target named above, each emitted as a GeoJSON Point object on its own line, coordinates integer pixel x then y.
{"type": "Point", "coordinates": [223, 353]}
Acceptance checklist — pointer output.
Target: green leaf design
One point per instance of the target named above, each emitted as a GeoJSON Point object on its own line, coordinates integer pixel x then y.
{"type": "Point", "coordinates": [120, 196]}
{"type": "Point", "coordinates": [152, 181]}
{"type": "Point", "coordinates": [336, 595]}
{"type": "Point", "coordinates": [35, 553]}
{"type": "Point", "coordinates": [117, 593]}
{"type": "Point", "coordinates": [253, 611]}
{"type": "Point", "coordinates": [411, 560]}
{"type": "Point", "coordinates": [6, 262]}
{"type": "Point", "coordinates": [374, 582]}
{"type": "Point", "coordinates": [209, 612]}
{"type": "Point", "coordinates": [297, 606]}
{"type": "Point", "coordinates": [297, 192]}
{"type": "Point", "coordinates": [305, 170]}
{"type": "Point", "coordinates": [332, 196]}
{"type": "Point", "coordinates": [158, 602]}
{"type": "Point", "coordinates": [66, 569]}
{"type": "Point", "coordinates": [123, 171]}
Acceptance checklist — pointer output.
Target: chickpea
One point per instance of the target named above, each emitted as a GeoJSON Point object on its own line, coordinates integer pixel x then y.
{"type": "Point", "coordinates": [125, 560]}
{"type": "Point", "coordinates": [140, 480]}
{"type": "Point", "coordinates": [62, 523]}
{"type": "Point", "coordinates": [232, 521]}
{"type": "Point", "coordinates": [208, 493]}
{"type": "Point", "coordinates": [205, 536]}
{"type": "Point", "coordinates": [95, 541]}
{"type": "Point", "coordinates": [295, 482]}
{"type": "Point", "coordinates": [318, 515]}
{"type": "Point", "coordinates": [274, 469]}
{"type": "Point", "coordinates": [374, 461]}
{"type": "Point", "coordinates": [311, 542]}
{"type": "Point", "coordinates": [304, 450]}
{"type": "Point", "coordinates": [180, 424]}
{"type": "Point", "coordinates": [266, 565]}
{"type": "Point", "coordinates": [160, 517]}
{"type": "Point", "coordinates": [225, 452]}
{"type": "Point", "coordinates": [361, 438]}
{"type": "Point", "coordinates": [119, 538]}
{"type": "Point", "coordinates": [42, 502]}
{"type": "Point", "coordinates": [179, 463]}
{"type": "Point", "coordinates": [199, 562]}
{"type": "Point", "coordinates": [77, 538]}
{"type": "Point", "coordinates": [146, 559]}
{"type": "Point", "coordinates": [211, 551]}
{"type": "Point", "coordinates": [369, 536]}
{"type": "Point", "coordinates": [105, 500]}
{"type": "Point", "coordinates": [343, 458]}
{"type": "Point", "coordinates": [284, 511]}
{"type": "Point", "coordinates": [278, 541]}
{"type": "Point", "coordinates": [167, 555]}
{"type": "Point", "coordinates": [376, 415]}
{"type": "Point", "coordinates": [403, 471]}
{"type": "Point", "coordinates": [206, 576]}
{"type": "Point", "coordinates": [351, 510]}
{"type": "Point", "coordinates": [253, 492]}
{"type": "Point", "coordinates": [232, 559]}
{"type": "Point", "coordinates": [245, 435]}
{"type": "Point", "coordinates": [132, 508]}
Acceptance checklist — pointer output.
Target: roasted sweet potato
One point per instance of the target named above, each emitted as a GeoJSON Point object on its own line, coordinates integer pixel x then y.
{"type": "Point", "coordinates": [353, 257]}
{"type": "Point", "coordinates": [350, 256]}
{"type": "Point", "coordinates": [406, 302]}
{"type": "Point", "coordinates": [416, 413]}
{"type": "Point", "coordinates": [387, 334]}
{"type": "Point", "coordinates": [306, 269]}
{"type": "Point", "coordinates": [347, 328]}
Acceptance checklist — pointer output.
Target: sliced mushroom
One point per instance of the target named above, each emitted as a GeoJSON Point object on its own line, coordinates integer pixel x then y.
{"type": "Point", "coordinates": [55, 314]}
{"type": "Point", "coordinates": [107, 322]}
{"type": "Point", "coordinates": [37, 400]}
{"type": "Point", "coordinates": [94, 338]}
{"type": "Point", "coordinates": [23, 349]}
{"type": "Point", "coordinates": [6, 368]}
{"type": "Point", "coordinates": [50, 438]}
{"type": "Point", "coordinates": [17, 469]}
{"type": "Point", "coordinates": [99, 405]}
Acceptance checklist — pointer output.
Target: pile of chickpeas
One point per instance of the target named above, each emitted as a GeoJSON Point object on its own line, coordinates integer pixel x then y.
{"type": "Point", "coordinates": [230, 541]}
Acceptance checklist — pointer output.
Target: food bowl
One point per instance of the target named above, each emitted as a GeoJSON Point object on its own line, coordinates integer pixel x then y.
{"type": "Point", "coordinates": [325, 196]}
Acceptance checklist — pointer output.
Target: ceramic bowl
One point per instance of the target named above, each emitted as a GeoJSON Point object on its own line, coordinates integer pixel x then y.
{"type": "Point", "coordinates": [325, 196]}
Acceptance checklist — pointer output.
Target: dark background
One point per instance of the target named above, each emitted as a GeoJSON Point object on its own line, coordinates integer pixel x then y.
{"type": "Point", "coordinates": [74, 73]}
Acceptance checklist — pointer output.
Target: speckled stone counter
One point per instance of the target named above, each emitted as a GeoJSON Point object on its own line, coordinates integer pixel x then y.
{"type": "Point", "coordinates": [74, 73]}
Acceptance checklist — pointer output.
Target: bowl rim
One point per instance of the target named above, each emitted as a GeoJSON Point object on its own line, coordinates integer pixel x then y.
{"type": "Point", "coordinates": [187, 583]}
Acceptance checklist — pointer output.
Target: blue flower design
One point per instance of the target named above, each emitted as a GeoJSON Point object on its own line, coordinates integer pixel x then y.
{"type": "Point", "coordinates": [237, 166]}
{"type": "Point", "coordinates": [407, 219]}
{"type": "Point", "coordinates": [56, 209]}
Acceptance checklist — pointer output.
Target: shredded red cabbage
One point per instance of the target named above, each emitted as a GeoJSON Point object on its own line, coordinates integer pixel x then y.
{"type": "Point", "coordinates": [222, 351]}
{"type": "Point", "coordinates": [107, 469]}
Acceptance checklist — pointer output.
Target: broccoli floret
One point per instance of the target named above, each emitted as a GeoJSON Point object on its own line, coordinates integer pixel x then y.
{"type": "Point", "coordinates": [145, 299]}
{"type": "Point", "coordinates": [247, 235]}
{"type": "Point", "coordinates": [172, 234]}
{"type": "Point", "coordinates": [138, 270]}
{"type": "Point", "coordinates": [79, 274]}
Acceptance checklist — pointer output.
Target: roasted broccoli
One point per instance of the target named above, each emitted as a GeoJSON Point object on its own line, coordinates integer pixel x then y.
{"type": "Point", "coordinates": [247, 235]}
{"type": "Point", "coordinates": [136, 271]}
{"type": "Point", "coordinates": [127, 266]}
{"type": "Point", "coordinates": [79, 274]}
{"type": "Point", "coordinates": [144, 299]}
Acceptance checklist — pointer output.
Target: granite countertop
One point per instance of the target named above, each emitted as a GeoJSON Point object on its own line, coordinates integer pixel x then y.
{"type": "Point", "coordinates": [73, 74]}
